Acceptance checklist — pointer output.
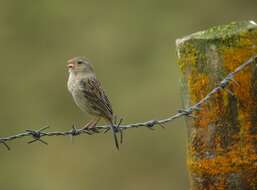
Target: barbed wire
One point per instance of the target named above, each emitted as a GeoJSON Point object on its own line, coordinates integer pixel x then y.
{"type": "Point", "coordinates": [37, 135]}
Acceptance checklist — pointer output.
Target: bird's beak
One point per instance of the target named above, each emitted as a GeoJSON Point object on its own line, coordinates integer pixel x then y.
{"type": "Point", "coordinates": [70, 65]}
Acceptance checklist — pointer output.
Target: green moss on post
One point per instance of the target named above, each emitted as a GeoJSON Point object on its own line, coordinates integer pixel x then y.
{"type": "Point", "coordinates": [222, 140]}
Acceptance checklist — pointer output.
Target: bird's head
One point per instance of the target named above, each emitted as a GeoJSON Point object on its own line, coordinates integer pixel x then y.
{"type": "Point", "coordinates": [79, 65]}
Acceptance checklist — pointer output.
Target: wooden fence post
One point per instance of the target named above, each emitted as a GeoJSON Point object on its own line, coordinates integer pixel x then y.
{"type": "Point", "coordinates": [222, 139]}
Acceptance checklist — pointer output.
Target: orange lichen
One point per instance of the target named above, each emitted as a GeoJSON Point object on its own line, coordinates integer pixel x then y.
{"type": "Point", "coordinates": [231, 162]}
{"type": "Point", "coordinates": [219, 147]}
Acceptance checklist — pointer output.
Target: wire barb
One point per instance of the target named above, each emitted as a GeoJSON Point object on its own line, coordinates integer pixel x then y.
{"type": "Point", "coordinates": [74, 131]}
{"type": "Point", "coordinates": [5, 144]}
{"type": "Point", "coordinates": [188, 112]}
{"type": "Point", "coordinates": [37, 134]}
{"type": "Point", "coordinates": [150, 124]}
{"type": "Point", "coordinates": [117, 127]}
{"type": "Point", "coordinates": [235, 82]}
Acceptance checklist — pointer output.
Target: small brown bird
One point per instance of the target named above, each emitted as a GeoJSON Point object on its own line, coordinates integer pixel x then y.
{"type": "Point", "coordinates": [88, 94]}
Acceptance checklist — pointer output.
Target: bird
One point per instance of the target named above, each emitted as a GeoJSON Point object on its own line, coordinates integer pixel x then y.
{"type": "Point", "coordinates": [88, 93]}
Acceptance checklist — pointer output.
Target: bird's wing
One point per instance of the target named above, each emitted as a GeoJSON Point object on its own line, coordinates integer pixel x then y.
{"type": "Point", "coordinates": [94, 93]}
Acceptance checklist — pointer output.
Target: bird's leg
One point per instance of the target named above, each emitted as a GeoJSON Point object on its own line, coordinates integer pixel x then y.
{"type": "Point", "coordinates": [92, 124]}
{"type": "Point", "coordinates": [88, 124]}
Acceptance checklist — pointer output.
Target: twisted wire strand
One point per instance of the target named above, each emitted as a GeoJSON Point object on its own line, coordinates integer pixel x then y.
{"type": "Point", "coordinates": [37, 135]}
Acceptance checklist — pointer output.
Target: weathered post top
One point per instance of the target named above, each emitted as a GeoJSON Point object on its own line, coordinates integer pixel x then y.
{"type": "Point", "coordinates": [222, 140]}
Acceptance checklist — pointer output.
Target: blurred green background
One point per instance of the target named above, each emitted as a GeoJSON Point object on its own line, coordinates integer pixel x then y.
{"type": "Point", "coordinates": [132, 47]}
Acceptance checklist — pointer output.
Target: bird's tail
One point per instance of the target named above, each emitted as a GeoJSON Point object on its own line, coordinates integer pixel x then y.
{"type": "Point", "coordinates": [114, 131]}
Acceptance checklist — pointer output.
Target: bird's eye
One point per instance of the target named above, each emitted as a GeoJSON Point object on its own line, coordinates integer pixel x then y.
{"type": "Point", "coordinates": [80, 62]}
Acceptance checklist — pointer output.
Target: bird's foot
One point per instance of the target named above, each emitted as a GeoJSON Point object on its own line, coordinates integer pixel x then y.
{"type": "Point", "coordinates": [90, 126]}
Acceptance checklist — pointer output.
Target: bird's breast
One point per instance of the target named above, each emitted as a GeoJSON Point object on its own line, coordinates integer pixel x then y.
{"type": "Point", "coordinates": [71, 84]}
{"type": "Point", "coordinates": [78, 94]}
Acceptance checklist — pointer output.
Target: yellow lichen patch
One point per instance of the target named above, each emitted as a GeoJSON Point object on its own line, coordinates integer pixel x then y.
{"type": "Point", "coordinates": [198, 85]}
{"type": "Point", "coordinates": [189, 59]}
{"type": "Point", "coordinates": [247, 40]}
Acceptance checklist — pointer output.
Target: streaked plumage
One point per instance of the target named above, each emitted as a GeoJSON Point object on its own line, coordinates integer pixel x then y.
{"type": "Point", "coordinates": [87, 92]}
